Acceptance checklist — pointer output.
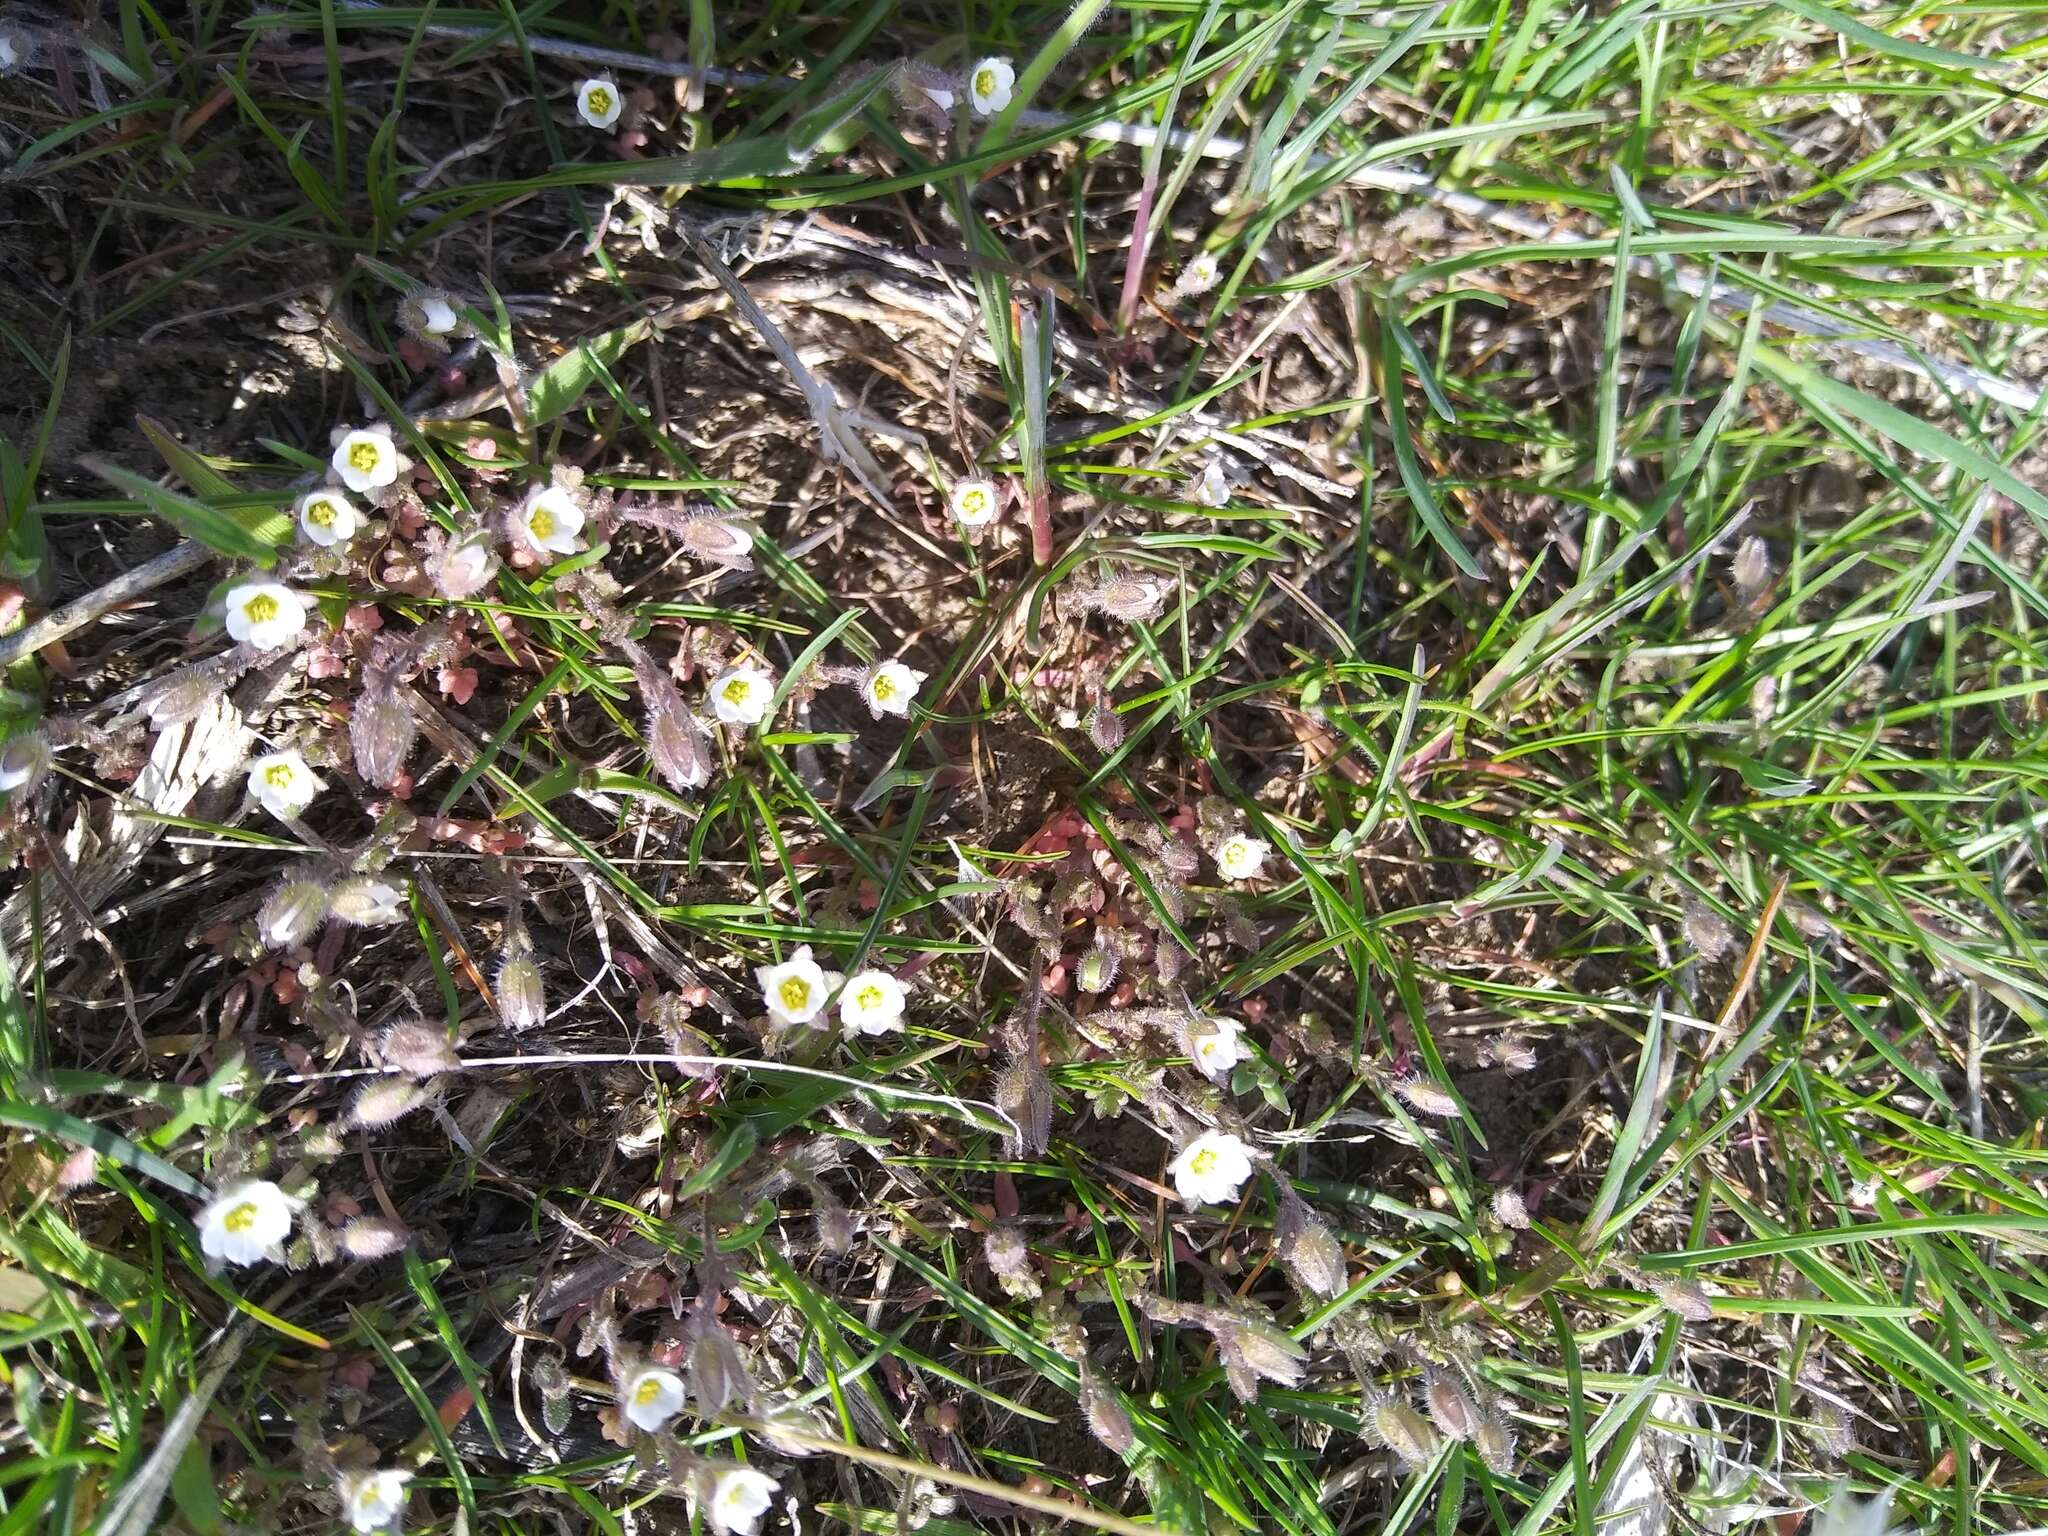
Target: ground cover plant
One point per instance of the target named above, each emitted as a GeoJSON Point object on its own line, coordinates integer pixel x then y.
{"type": "Point", "coordinates": [1184, 765]}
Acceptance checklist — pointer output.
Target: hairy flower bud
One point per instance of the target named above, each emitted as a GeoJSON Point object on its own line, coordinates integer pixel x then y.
{"type": "Point", "coordinates": [1105, 1416]}
{"type": "Point", "coordinates": [1395, 1426]}
{"type": "Point", "coordinates": [1105, 726]}
{"type": "Point", "coordinates": [1426, 1097]}
{"type": "Point", "coordinates": [381, 730]}
{"type": "Point", "coordinates": [1751, 568]}
{"type": "Point", "coordinates": [1495, 1443]}
{"type": "Point", "coordinates": [1024, 1094]}
{"type": "Point", "coordinates": [1450, 1405]}
{"type": "Point", "coordinates": [1707, 930]}
{"type": "Point", "coordinates": [1096, 970]}
{"type": "Point", "coordinates": [384, 1100]}
{"type": "Point", "coordinates": [374, 1237]}
{"type": "Point", "coordinates": [365, 901]}
{"type": "Point", "coordinates": [417, 1047]}
{"type": "Point", "coordinates": [1509, 1209]}
{"type": "Point", "coordinates": [294, 910]}
{"type": "Point", "coordinates": [522, 997]}
{"type": "Point", "coordinates": [1683, 1296]}
{"type": "Point", "coordinates": [1309, 1249]}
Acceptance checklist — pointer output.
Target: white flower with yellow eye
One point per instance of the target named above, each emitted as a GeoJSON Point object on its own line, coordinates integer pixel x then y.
{"type": "Point", "coordinates": [741, 695]}
{"type": "Point", "coordinates": [890, 687]}
{"type": "Point", "coordinates": [795, 990]}
{"type": "Point", "coordinates": [599, 103]}
{"type": "Point", "coordinates": [374, 1501]}
{"type": "Point", "coordinates": [1211, 1169]}
{"type": "Point", "coordinates": [974, 503]}
{"type": "Point", "coordinates": [872, 1004]}
{"type": "Point", "coordinates": [1241, 858]}
{"type": "Point", "coordinates": [367, 459]}
{"type": "Point", "coordinates": [283, 784]}
{"type": "Point", "coordinates": [328, 518]}
{"type": "Point", "coordinates": [265, 614]}
{"type": "Point", "coordinates": [245, 1222]}
{"type": "Point", "coordinates": [653, 1397]}
{"type": "Point", "coordinates": [551, 521]}
{"type": "Point", "coordinates": [1219, 1048]}
{"type": "Point", "coordinates": [989, 87]}
{"type": "Point", "coordinates": [739, 1500]}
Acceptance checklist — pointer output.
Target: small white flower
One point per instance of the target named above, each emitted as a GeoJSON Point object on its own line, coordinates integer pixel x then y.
{"type": "Point", "coordinates": [974, 502]}
{"type": "Point", "coordinates": [461, 569]}
{"type": "Point", "coordinates": [1843, 1515]}
{"type": "Point", "coordinates": [23, 760]}
{"type": "Point", "coordinates": [265, 614]}
{"type": "Point", "coordinates": [283, 784]}
{"type": "Point", "coordinates": [1200, 274]}
{"type": "Point", "coordinates": [942, 99]}
{"type": "Point", "coordinates": [653, 1397]}
{"type": "Point", "coordinates": [366, 459]}
{"type": "Point", "coordinates": [328, 518]}
{"type": "Point", "coordinates": [436, 313]}
{"type": "Point", "coordinates": [989, 86]}
{"type": "Point", "coordinates": [1211, 488]}
{"type": "Point", "coordinates": [890, 687]}
{"type": "Point", "coordinates": [1241, 858]}
{"type": "Point", "coordinates": [1220, 1048]}
{"type": "Point", "coordinates": [246, 1222]}
{"type": "Point", "coordinates": [741, 695]}
{"type": "Point", "coordinates": [10, 52]}
{"type": "Point", "coordinates": [551, 520]}
{"type": "Point", "coordinates": [872, 1004]}
{"type": "Point", "coordinates": [1211, 1169]}
{"type": "Point", "coordinates": [374, 1501]}
{"type": "Point", "coordinates": [796, 989]}
{"type": "Point", "coordinates": [599, 103]}
{"type": "Point", "coordinates": [368, 902]}
{"type": "Point", "coordinates": [739, 1499]}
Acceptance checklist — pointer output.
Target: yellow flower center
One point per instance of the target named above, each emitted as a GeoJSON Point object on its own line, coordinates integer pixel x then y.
{"type": "Point", "coordinates": [261, 608]}
{"type": "Point", "coordinates": [241, 1218]}
{"type": "Point", "coordinates": [869, 997]}
{"type": "Point", "coordinates": [974, 502]}
{"type": "Point", "coordinates": [985, 82]}
{"type": "Point", "coordinates": [279, 776]}
{"type": "Point", "coordinates": [600, 101]}
{"type": "Point", "coordinates": [738, 691]}
{"type": "Point", "coordinates": [885, 686]}
{"type": "Point", "coordinates": [364, 457]}
{"type": "Point", "coordinates": [648, 1390]}
{"type": "Point", "coordinates": [321, 513]}
{"type": "Point", "coordinates": [1203, 1161]}
{"type": "Point", "coordinates": [795, 993]}
{"type": "Point", "coordinates": [542, 523]}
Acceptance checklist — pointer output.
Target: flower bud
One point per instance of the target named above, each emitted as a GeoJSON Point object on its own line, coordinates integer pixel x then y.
{"type": "Point", "coordinates": [1106, 1418]}
{"type": "Point", "coordinates": [1105, 727]}
{"type": "Point", "coordinates": [676, 744]}
{"type": "Point", "coordinates": [366, 901]}
{"type": "Point", "coordinates": [1309, 1249]}
{"type": "Point", "coordinates": [1450, 1406]}
{"type": "Point", "coordinates": [1096, 970]}
{"type": "Point", "coordinates": [1509, 1209]}
{"type": "Point", "coordinates": [1390, 1422]}
{"type": "Point", "coordinates": [1495, 1443]}
{"type": "Point", "coordinates": [294, 910]}
{"type": "Point", "coordinates": [1426, 1097]}
{"type": "Point", "coordinates": [1684, 1297]}
{"type": "Point", "coordinates": [1707, 930]}
{"type": "Point", "coordinates": [373, 1237]}
{"type": "Point", "coordinates": [381, 730]}
{"type": "Point", "coordinates": [1010, 1261]}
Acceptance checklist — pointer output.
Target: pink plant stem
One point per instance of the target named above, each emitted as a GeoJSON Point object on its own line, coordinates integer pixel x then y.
{"type": "Point", "coordinates": [1134, 256]}
{"type": "Point", "coordinates": [1041, 527]}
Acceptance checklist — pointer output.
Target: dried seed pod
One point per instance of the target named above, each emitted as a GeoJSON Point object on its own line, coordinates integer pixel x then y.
{"type": "Point", "coordinates": [522, 996]}
{"type": "Point", "coordinates": [714, 1370]}
{"type": "Point", "coordinates": [385, 1100]}
{"type": "Point", "coordinates": [1450, 1407]}
{"type": "Point", "coordinates": [374, 1237]}
{"type": "Point", "coordinates": [1426, 1097]}
{"type": "Point", "coordinates": [293, 911]}
{"type": "Point", "coordinates": [1683, 1296]}
{"type": "Point", "coordinates": [415, 1046]}
{"type": "Point", "coordinates": [381, 730]}
{"type": "Point", "coordinates": [1509, 1209]}
{"type": "Point", "coordinates": [1105, 726]}
{"type": "Point", "coordinates": [1308, 1248]}
{"type": "Point", "coordinates": [1711, 934]}
{"type": "Point", "coordinates": [368, 902]}
{"type": "Point", "coordinates": [1395, 1426]}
